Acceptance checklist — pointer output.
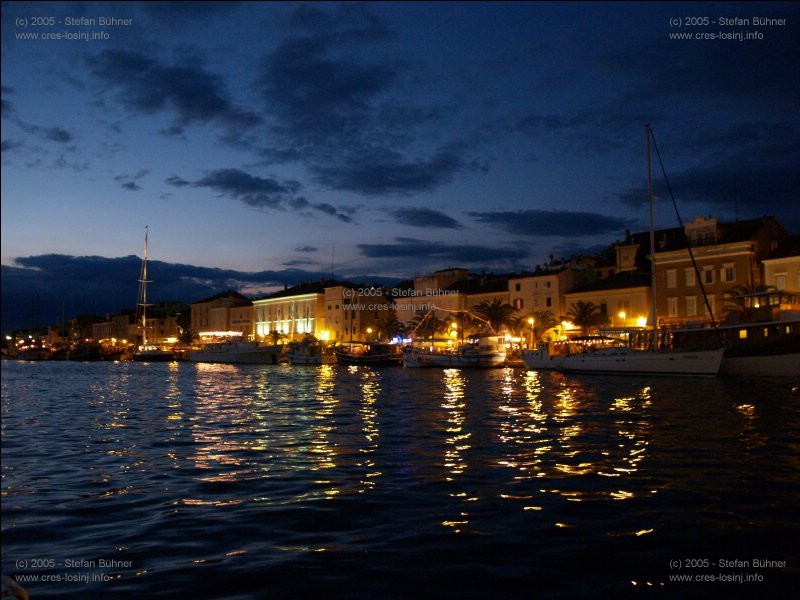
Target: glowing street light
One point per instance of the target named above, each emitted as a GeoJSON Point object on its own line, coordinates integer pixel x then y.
{"type": "Point", "coordinates": [531, 322]}
{"type": "Point", "coordinates": [623, 315]}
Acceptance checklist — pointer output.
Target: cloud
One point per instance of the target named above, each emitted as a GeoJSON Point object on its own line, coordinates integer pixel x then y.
{"type": "Point", "coordinates": [109, 285]}
{"type": "Point", "coordinates": [52, 134]}
{"type": "Point", "coordinates": [747, 168]}
{"type": "Point", "coordinates": [424, 217]}
{"type": "Point", "coordinates": [387, 172]}
{"type": "Point", "coordinates": [339, 108]}
{"type": "Point", "coordinates": [128, 182]}
{"type": "Point", "coordinates": [306, 249]}
{"type": "Point", "coordinates": [456, 253]}
{"type": "Point", "coordinates": [552, 222]}
{"type": "Point", "coordinates": [149, 87]}
{"type": "Point", "coordinates": [8, 145]}
{"type": "Point", "coordinates": [260, 192]}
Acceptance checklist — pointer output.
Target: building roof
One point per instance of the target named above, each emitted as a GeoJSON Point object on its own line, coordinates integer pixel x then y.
{"type": "Point", "coordinates": [311, 287]}
{"type": "Point", "coordinates": [788, 248]}
{"type": "Point", "coordinates": [618, 281]}
{"type": "Point", "coordinates": [226, 294]}
{"type": "Point", "coordinates": [482, 284]}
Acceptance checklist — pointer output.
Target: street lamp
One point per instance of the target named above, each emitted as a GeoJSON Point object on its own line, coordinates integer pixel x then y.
{"type": "Point", "coordinates": [623, 315]}
{"type": "Point", "coordinates": [530, 322]}
{"type": "Point", "coordinates": [369, 333]}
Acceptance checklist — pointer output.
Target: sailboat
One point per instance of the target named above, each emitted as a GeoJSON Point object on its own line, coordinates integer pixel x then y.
{"type": "Point", "coordinates": [655, 360]}
{"type": "Point", "coordinates": [147, 352]}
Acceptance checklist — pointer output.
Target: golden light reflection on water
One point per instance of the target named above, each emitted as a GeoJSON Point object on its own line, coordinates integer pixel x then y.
{"type": "Point", "coordinates": [456, 442]}
{"type": "Point", "coordinates": [370, 392]}
{"type": "Point", "coordinates": [554, 436]}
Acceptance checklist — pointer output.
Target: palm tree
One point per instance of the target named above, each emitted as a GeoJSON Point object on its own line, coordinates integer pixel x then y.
{"type": "Point", "coordinates": [586, 315]}
{"type": "Point", "coordinates": [543, 320]}
{"type": "Point", "coordinates": [495, 314]}
{"type": "Point", "coordinates": [427, 325]}
{"type": "Point", "coordinates": [276, 336]}
{"type": "Point", "coordinates": [388, 326]}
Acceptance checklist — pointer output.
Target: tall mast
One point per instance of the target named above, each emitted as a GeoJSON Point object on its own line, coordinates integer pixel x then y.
{"type": "Point", "coordinates": [143, 288]}
{"type": "Point", "coordinates": [652, 240]}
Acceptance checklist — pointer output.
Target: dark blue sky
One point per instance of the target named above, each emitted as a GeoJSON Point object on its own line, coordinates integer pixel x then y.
{"type": "Point", "coordinates": [270, 143]}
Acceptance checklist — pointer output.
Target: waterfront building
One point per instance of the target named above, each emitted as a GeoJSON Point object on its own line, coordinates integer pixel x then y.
{"type": "Point", "coordinates": [782, 267]}
{"type": "Point", "coordinates": [727, 255]}
{"type": "Point", "coordinates": [544, 289]}
{"type": "Point", "coordinates": [228, 314]}
{"type": "Point", "coordinates": [292, 313]}
{"type": "Point", "coordinates": [438, 292]}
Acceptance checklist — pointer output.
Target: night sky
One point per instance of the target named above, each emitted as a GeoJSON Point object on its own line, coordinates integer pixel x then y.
{"type": "Point", "coordinates": [268, 144]}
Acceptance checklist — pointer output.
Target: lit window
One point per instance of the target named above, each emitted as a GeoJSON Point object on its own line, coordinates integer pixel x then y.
{"type": "Point", "coordinates": [672, 280]}
{"type": "Point", "coordinates": [691, 306]}
{"type": "Point", "coordinates": [743, 334]}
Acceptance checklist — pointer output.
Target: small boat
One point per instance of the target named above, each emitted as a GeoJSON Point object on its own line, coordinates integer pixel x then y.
{"type": "Point", "coordinates": [376, 354]}
{"type": "Point", "coordinates": [34, 353]}
{"type": "Point", "coordinates": [309, 352]}
{"type": "Point", "coordinates": [550, 355]}
{"type": "Point", "coordinates": [147, 352]}
{"type": "Point", "coordinates": [484, 352]}
{"type": "Point", "coordinates": [237, 352]}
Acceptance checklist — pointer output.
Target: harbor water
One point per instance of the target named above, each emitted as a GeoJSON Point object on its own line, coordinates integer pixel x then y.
{"type": "Point", "coordinates": [189, 480]}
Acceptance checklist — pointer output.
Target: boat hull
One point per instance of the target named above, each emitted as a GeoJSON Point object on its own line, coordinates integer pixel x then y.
{"type": "Point", "coordinates": [541, 361]}
{"type": "Point", "coordinates": [783, 365]}
{"type": "Point", "coordinates": [626, 361]}
{"type": "Point", "coordinates": [387, 360]}
{"type": "Point", "coordinates": [238, 354]}
{"type": "Point", "coordinates": [153, 356]}
{"type": "Point", "coordinates": [454, 361]}
{"type": "Point", "coordinates": [309, 354]}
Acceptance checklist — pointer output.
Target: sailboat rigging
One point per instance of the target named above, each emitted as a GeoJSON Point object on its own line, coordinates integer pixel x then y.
{"type": "Point", "coordinates": [147, 351]}
{"type": "Point", "coordinates": [655, 360]}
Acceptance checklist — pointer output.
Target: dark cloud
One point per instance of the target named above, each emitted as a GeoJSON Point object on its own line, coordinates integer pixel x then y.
{"type": "Point", "coordinates": [195, 10]}
{"type": "Point", "coordinates": [386, 172]}
{"type": "Point", "coordinates": [40, 290]}
{"type": "Point", "coordinates": [749, 169]}
{"type": "Point", "coordinates": [52, 134]}
{"type": "Point", "coordinates": [552, 222]}
{"type": "Point", "coordinates": [176, 181]}
{"type": "Point", "coordinates": [253, 191]}
{"type": "Point", "coordinates": [425, 217]}
{"type": "Point", "coordinates": [339, 109]}
{"type": "Point", "coordinates": [454, 253]}
{"type": "Point", "coordinates": [9, 145]}
{"type": "Point", "coordinates": [260, 192]}
{"type": "Point", "coordinates": [128, 182]}
{"type": "Point", "coordinates": [190, 91]}
{"type": "Point", "coordinates": [306, 249]}
{"type": "Point", "coordinates": [7, 105]}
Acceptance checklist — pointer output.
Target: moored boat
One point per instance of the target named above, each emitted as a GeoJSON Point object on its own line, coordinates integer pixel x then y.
{"type": "Point", "coordinates": [376, 354]}
{"type": "Point", "coordinates": [761, 339]}
{"type": "Point", "coordinates": [237, 352]}
{"type": "Point", "coordinates": [660, 358]}
{"type": "Point", "coordinates": [550, 355]}
{"type": "Point", "coordinates": [483, 352]}
{"type": "Point", "coordinates": [309, 352]}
